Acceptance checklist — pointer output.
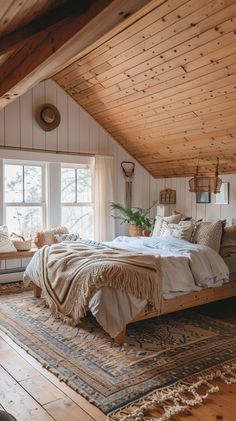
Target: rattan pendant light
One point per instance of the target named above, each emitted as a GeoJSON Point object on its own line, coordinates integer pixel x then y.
{"type": "Point", "coordinates": [211, 184]}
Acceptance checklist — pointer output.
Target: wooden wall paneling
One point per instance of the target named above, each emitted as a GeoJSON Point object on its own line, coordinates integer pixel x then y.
{"type": "Point", "coordinates": [179, 199]}
{"type": "Point", "coordinates": [26, 121]}
{"type": "Point", "coordinates": [62, 130]}
{"type": "Point", "coordinates": [39, 136]}
{"type": "Point", "coordinates": [12, 124]}
{"type": "Point", "coordinates": [73, 125]}
{"type": "Point", "coordinates": [229, 211]}
{"type": "Point", "coordinates": [51, 98]}
{"type": "Point", "coordinates": [84, 133]}
{"type": "Point", "coordinates": [120, 155]}
{"type": "Point", "coordinates": [153, 189]}
{"type": "Point", "coordinates": [187, 198]}
{"type": "Point", "coordinates": [161, 185]}
{"type": "Point", "coordinates": [110, 141]}
{"type": "Point", "coordinates": [93, 136]}
{"type": "Point", "coordinates": [213, 212]}
{"type": "Point", "coordinates": [103, 141]}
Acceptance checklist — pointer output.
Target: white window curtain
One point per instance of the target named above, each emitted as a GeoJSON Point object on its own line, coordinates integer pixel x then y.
{"type": "Point", "coordinates": [104, 194]}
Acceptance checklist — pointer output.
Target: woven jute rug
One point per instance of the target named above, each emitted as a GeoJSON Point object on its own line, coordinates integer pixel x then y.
{"type": "Point", "coordinates": [163, 362]}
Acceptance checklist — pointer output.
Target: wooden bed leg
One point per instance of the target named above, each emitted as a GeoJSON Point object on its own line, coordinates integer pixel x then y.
{"type": "Point", "coordinates": [120, 338]}
{"type": "Point", "coordinates": [37, 291]}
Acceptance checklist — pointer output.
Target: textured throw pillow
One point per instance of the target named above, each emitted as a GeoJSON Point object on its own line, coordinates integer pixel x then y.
{"type": "Point", "coordinates": [183, 230]}
{"type": "Point", "coordinates": [228, 243]}
{"type": "Point", "coordinates": [6, 245]}
{"type": "Point", "coordinates": [209, 234]}
{"type": "Point", "coordinates": [67, 237]}
{"type": "Point", "coordinates": [173, 219]}
{"type": "Point", "coordinates": [4, 229]}
{"type": "Point", "coordinates": [47, 237]}
{"type": "Point", "coordinates": [183, 217]}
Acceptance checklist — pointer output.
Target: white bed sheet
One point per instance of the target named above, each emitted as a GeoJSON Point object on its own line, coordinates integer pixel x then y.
{"type": "Point", "coordinates": [186, 267]}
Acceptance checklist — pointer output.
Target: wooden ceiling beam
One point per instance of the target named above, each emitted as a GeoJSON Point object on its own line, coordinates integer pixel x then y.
{"type": "Point", "coordinates": [14, 39]}
{"type": "Point", "coordinates": [49, 51]}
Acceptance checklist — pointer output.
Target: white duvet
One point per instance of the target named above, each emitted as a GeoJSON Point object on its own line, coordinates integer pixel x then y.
{"type": "Point", "coordinates": [185, 266]}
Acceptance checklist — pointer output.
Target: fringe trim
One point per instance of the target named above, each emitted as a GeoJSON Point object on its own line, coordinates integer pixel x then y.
{"type": "Point", "coordinates": [176, 398]}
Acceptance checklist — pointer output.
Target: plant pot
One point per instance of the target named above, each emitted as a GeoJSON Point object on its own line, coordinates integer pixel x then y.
{"type": "Point", "coordinates": [134, 230]}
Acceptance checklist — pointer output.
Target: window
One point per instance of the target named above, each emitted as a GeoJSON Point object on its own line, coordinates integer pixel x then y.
{"type": "Point", "coordinates": [24, 201]}
{"type": "Point", "coordinates": [77, 200]}
{"type": "Point", "coordinates": [42, 193]}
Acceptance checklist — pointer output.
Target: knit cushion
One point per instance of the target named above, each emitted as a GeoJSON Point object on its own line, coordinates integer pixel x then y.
{"type": "Point", "coordinates": [47, 237]}
{"type": "Point", "coordinates": [209, 234]}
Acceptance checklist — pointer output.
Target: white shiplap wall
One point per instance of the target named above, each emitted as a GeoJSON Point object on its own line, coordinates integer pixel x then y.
{"type": "Point", "coordinates": [186, 201]}
{"type": "Point", "coordinates": [79, 132]}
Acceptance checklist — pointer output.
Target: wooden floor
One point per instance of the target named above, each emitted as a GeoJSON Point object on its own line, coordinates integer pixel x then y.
{"type": "Point", "coordinates": [31, 393]}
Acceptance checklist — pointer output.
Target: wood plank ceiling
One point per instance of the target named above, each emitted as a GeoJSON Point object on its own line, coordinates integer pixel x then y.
{"type": "Point", "coordinates": [165, 86]}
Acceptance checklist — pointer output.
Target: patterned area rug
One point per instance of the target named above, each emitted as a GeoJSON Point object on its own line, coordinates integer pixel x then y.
{"type": "Point", "coordinates": [162, 363]}
{"type": "Point", "coordinates": [14, 287]}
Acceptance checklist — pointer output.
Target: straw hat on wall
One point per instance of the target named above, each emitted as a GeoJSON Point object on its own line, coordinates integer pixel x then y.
{"type": "Point", "coordinates": [48, 117]}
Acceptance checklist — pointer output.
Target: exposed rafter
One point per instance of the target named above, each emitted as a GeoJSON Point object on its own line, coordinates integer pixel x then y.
{"type": "Point", "coordinates": [50, 50]}
{"type": "Point", "coordinates": [14, 39]}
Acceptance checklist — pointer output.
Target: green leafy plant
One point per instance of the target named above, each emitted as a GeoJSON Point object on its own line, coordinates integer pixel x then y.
{"type": "Point", "coordinates": [133, 215]}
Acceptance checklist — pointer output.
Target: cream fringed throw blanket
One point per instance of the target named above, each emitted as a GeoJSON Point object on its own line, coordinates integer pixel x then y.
{"type": "Point", "coordinates": [72, 272]}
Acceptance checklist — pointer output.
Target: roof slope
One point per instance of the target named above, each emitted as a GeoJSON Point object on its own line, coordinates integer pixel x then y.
{"type": "Point", "coordinates": [165, 86]}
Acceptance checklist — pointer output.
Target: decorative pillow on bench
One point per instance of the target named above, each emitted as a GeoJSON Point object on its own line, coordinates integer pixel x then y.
{"type": "Point", "coordinates": [47, 237]}
{"type": "Point", "coordinates": [6, 245]}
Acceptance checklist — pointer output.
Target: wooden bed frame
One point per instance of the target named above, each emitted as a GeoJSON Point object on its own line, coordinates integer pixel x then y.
{"type": "Point", "coordinates": [182, 302]}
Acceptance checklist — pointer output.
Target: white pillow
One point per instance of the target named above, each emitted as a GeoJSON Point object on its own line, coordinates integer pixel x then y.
{"type": "Point", "coordinates": [67, 237]}
{"type": "Point", "coordinates": [183, 230]}
{"type": "Point", "coordinates": [4, 229]}
{"type": "Point", "coordinates": [6, 245]}
{"type": "Point", "coordinates": [173, 219]}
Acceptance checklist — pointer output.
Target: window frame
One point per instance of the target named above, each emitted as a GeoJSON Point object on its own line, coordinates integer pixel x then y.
{"type": "Point", "coordinates": [81, 204]}
{"type": "Point", "coordinates": [24, 203]}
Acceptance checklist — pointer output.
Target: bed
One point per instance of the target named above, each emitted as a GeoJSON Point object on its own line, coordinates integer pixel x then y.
{"type": "Point", "coordinates": [191, 275]}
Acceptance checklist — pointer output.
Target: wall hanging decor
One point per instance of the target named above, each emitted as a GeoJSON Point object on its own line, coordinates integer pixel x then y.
{"type": "Point", "coordinates": [210, 184]}
{"type": "Point", "coordinates": [222, 198]}
{"type": "Point", "coordinates": [167, 197]}
{"type": "Point", "coordinates": [203, 197]}
{"type": "Point", "coordinates": [48, 117]}
{"type": "Point", "coordinates": [128, 168]}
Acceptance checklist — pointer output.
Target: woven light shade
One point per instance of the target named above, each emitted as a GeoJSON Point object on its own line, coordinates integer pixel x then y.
{"type": "Point", "coordinates": [211, 184]}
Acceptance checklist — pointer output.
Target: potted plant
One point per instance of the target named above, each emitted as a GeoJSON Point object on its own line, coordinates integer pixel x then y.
{"type": "Point", "coordinates": [137, 218]}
